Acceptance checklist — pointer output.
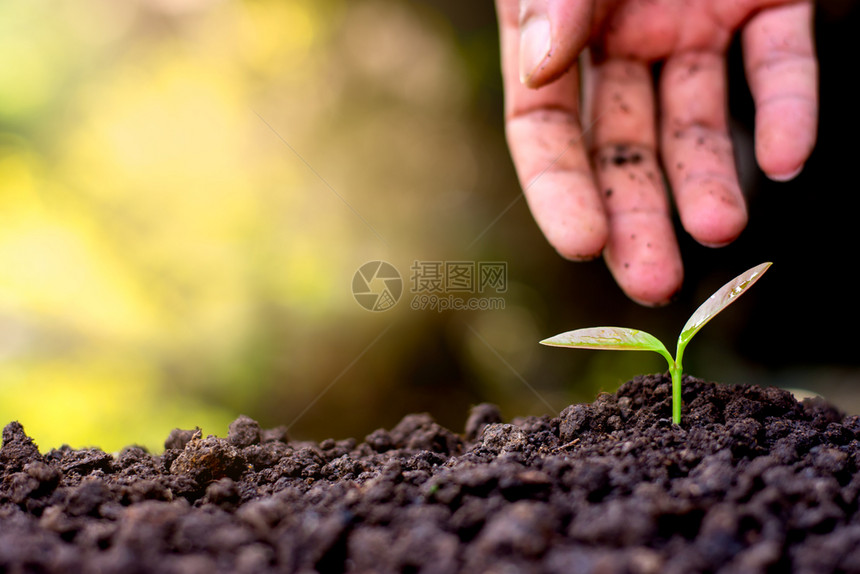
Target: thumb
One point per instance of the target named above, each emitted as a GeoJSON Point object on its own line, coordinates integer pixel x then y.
{"type": "Point", "coordinates": [552, 34]}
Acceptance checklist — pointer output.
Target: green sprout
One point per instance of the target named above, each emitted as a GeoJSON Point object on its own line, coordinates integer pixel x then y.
{"type": "Point", "coordinates": [623, 339]}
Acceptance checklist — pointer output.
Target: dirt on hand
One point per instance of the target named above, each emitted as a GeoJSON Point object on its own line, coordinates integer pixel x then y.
{"type": "Point", "coordinates": [752, 481]}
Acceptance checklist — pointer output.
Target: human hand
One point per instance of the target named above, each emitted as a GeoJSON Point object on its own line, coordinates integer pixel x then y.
{"type": "Point", "coordinates": [598, 186]}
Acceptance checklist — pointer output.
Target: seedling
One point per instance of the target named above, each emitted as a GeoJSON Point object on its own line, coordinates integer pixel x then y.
{"type": "Point", "coordinates": [623, 339]}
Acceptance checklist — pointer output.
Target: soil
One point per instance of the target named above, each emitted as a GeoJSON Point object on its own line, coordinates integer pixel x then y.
{"type": "Point", "coordinates": [752, 481]}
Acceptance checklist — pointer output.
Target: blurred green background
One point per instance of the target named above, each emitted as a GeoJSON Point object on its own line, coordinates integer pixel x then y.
{"type": "Point", "coordinates": [188, 186]}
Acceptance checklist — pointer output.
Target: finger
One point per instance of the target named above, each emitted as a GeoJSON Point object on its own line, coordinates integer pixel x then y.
{"type": "Point", "coordinates": [552, 33]}
{"type": "Point", "coordinates": [783, 77]}
{"type": "Point", "coordinates": [545, 138]}
{"type": "Point", "coordinates": [696, 148]}
{"type": "Point", "coordinates": [642, 252]}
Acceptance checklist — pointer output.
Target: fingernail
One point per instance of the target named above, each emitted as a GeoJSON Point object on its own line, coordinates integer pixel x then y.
{"type": "Point", "coordinates": [786, 176]}
{"type": "Point", "coordinates": [535, 44]}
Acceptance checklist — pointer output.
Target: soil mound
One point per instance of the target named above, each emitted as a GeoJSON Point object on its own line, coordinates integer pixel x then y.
{"type": "Point", "coordinates": [752, 481]}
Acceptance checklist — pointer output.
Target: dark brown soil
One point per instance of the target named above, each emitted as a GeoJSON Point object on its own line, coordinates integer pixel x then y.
{"type": "Point", "coordinates": [751, 482]}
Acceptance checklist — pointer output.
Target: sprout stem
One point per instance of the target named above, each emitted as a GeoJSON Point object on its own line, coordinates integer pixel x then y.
{"type": "Point", "coordinates": [676, 372]}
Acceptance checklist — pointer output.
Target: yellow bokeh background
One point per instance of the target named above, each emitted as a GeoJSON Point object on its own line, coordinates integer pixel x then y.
{"type": "Point", "coordinates": [183, 184]}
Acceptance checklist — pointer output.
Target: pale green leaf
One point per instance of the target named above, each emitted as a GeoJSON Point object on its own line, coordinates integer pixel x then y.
{"type": "Point", "coordinates": [608, 338]}
{"type": "Point", "coordinates": [725, 296]}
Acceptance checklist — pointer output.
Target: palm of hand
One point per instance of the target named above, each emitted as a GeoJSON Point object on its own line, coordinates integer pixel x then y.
{"type": "Point", "coordinates": [659, 29]}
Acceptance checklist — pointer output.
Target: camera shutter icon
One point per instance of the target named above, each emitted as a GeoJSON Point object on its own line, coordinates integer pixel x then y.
{"type": "Point", "coordinates": [377, 286]}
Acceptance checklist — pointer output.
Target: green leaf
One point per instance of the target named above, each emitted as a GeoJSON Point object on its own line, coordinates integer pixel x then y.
{"type": "Point", "coordinates": [608, 338]}
{"type": "Point", "coordinates": [724, 297]}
